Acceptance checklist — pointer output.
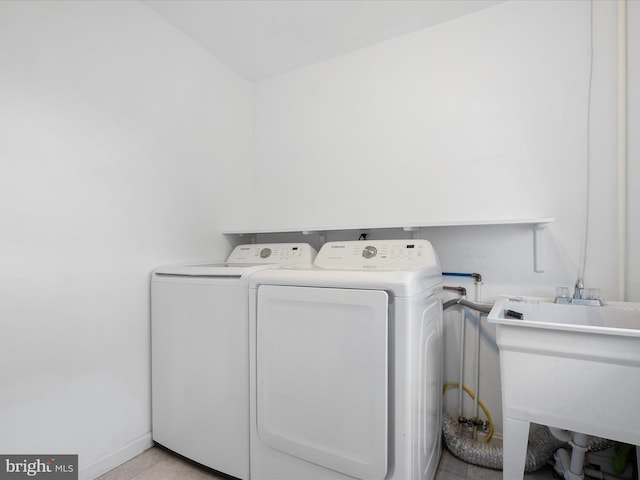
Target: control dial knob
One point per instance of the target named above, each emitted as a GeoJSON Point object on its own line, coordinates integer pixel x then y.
{"type": "Point", "coordinates": [369, 251]}
{"type": "Point", "coordinates": [265, 253]}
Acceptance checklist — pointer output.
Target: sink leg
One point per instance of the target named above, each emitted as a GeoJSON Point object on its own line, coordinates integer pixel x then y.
{"type": "Point", "coordinates": [515, 440]}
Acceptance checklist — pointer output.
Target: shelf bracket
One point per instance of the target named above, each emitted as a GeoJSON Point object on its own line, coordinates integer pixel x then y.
{"type": "Point", "coordinates": [413, 231]}
{"type": "Point", "coordinates": [252, 237]}
{"type": "Point", "coordinates": [539, 230]}
{"type": "Point", "coordinates": [322, 235]}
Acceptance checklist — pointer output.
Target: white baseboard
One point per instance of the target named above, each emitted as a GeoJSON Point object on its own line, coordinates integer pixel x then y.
{"type": "Point", "coordinates": [112, 460]}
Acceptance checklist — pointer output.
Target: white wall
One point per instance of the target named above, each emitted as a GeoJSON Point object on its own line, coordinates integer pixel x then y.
{"type": "Point", "coordinates": [121, 144]}
{"type": "Point", "coordinates": [483, 105]}
{"type": "Point", "coordinates": [633, 146]}
{"type": "Point", "coordinates": [483, 117]}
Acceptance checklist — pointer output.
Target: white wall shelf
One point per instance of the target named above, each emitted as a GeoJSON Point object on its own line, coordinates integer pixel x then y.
{"type": "Point", "coordinates": [409, 227]}
{"type": "Point", "coordinates": [539, 226]}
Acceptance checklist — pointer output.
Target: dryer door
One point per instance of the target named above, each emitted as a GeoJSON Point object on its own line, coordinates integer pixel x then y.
{"type": "Point", "coordinates": [322, 376]}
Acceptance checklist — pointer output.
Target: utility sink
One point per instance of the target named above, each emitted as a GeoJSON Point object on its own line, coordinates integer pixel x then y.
{"type": "Point", "coordinates": [573, 367]}
{"type": "Point", "coordinates": [613, 318]}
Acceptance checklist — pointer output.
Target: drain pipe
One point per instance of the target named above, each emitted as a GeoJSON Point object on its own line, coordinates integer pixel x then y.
{"type": "Point", "coordinates": [479, 307]}
{"type": "Point", "coordinates": [572, 468]}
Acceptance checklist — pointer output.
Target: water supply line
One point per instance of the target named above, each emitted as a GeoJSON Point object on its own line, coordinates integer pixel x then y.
{"type": "Point", "coordinates": [463, 293]}
{"type": "Point", "coordinates": [463, 327]}
{"type": "Point", "coordinates": [477, 307]}
{"type": "Point", "coordinates": [477, 371]}
{"type": "Point", "coordinates": [481, 308]}
{"type": "Point", "coordinates": [480, 402]}
{"type": "Point", "coordinates": [476, 276]}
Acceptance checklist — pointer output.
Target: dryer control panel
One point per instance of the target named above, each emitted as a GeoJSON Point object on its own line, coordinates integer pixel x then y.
{"type": "Point", "coordinates": [383, 254]}
{"type": "Point", "coordinates": [269, 253]}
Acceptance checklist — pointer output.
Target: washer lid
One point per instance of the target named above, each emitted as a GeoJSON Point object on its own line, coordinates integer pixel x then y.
{"type": "Point", "coordinates": [245, 259]}
{"type": "Point", "coordinates": [218, 270]}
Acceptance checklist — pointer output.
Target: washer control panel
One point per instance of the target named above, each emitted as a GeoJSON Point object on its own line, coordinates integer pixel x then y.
{"type": "Point", "coordinates": [383, 254]}
{"type": "Point", "coordinates": [267, 253]}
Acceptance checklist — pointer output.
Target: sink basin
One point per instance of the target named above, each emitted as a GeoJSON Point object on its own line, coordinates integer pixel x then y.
{"type": "Point", "coordinates": [572, 367]}
{"type": "Point", "coordinates": [613, 318]}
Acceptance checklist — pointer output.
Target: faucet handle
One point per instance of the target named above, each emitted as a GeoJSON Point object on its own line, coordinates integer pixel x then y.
{"type": "Point", "coordinates": [593, 294]}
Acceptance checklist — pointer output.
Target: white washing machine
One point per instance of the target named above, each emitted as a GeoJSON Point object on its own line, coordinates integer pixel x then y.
{"type": "Point", "coordinates": [346, 365]}
{"type": "Point", "coordinates": [200, 354]}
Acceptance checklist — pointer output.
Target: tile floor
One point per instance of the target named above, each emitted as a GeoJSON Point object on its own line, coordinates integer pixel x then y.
{"type": "Point", "coordinates": [160, 464]}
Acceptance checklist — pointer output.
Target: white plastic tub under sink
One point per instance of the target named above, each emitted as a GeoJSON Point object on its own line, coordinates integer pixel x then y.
{"type": "Point", "coordinates": [573, 367]}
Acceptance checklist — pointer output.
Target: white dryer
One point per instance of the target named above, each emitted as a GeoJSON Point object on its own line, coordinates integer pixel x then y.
{"type": "Point", "coordinates": [200, 354]}
{"type": "Point", "coordinates": [346, 365]}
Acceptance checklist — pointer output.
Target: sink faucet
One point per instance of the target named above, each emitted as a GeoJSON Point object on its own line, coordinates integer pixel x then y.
{"type": "Point", "coordinates": [592, 296]}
